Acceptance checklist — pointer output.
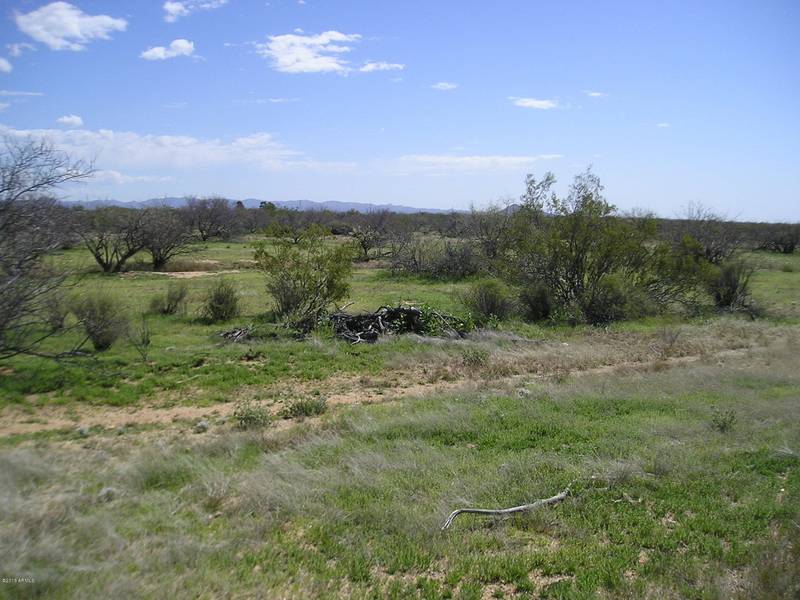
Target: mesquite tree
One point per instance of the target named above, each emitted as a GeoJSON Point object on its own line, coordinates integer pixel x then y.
{"type": "Point", "coordinates": [29, 230]}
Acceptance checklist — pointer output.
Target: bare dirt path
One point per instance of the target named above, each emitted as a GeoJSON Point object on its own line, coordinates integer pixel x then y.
{"type": "Point", "coordinates": [15, 421]}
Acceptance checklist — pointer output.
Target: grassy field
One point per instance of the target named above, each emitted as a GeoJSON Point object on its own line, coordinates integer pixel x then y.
{"type": "Point", "coordinates": [679, 439]}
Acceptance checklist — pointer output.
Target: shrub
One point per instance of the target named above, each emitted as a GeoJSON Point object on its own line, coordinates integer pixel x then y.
{"type": "Point", "coordinates": [306, 277]}
{"type": "Point", "coordinates": [437, 259]}
{"type": "Point", "coordinates": [606, 304]}
{"type": "Point", "coordinates": [173, 301]}
{"type": "Point", "coordinates": [536, 303]}
{"type": "Point", "coordinates": [723, 421]}
{"type": "Point", "coordinates": [729, 285]}
{"type": "Point", "coordinates": [249, 414]}
{"type": "Point", "coordinates": [488, 300]}
{"type": "Point", "coordinates": [100, 315]}
{"type": "Point", "coordinates": [305, 407]}
{"type": "Point", "coordinates": [576, 246]}
{"type": "Point", "coordinates": [475, 357]}
{"type": "Point", "coordinates": [221, 302]}
{"type": "Point", "coordinates": [55, 312]}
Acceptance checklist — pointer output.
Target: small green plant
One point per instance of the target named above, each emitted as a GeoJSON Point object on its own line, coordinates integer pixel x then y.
{"type": "Point", "coordinates": [221, 302]}
{"type": "Point", "coordinates": [475, 357]}
{"type": "Point", "coordinates": [305, 407]}
{"type": "Point", "coordinates": [101, 317]}
{"type": "Point", "coordinates": [172, 302]}
{"type": "Point", "coordinates": [723, 420]}
{"type": "Point", "coordinates": [139, 337]}
{"type": "Point", "coordinates": [160, 469]}
{"type": "Point", "coordinates": [250, 414]}
{"type": "Point", "coordinates": [488, 301]}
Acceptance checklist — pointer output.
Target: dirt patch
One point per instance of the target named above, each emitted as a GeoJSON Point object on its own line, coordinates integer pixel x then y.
{"type": "Point", "coordinates": [343, 391]}
{"type": "Point", "coordinates": [193, 274]}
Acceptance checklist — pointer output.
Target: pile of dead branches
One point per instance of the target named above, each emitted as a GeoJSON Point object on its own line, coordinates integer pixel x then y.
{"type": "Point", "coordinates": [367, 327]}
{"type": "Point", "coordinates": [240, 334]}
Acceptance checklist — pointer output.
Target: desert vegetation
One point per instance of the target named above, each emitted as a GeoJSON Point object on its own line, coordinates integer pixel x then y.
{"type": "Point", "coordinates": [211, 400]}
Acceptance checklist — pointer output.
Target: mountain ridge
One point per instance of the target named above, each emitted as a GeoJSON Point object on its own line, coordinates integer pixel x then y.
{"type": "Point", "coordinates": [302, 205]}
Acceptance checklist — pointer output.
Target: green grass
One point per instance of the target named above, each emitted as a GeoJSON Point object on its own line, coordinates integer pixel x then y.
{"type": "Point", "coordinates": [664, 504]}
{"type": "Point", "coordinates": [188, 362]}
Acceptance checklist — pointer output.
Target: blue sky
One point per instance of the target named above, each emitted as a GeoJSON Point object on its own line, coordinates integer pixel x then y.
{"type": "Point", "coordinates": [433, 104]}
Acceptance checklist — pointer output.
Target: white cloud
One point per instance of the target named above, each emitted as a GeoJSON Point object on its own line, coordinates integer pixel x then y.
{"type": "Point", "coordinates": [62, 26]}
{"type": "Point", "coordinates": [4, 105]}
{"type": "Point", "coordinates": [16, 50]}
{"type": "Point", "coordinates": [112, 176]}
{"type": "Point", "coordinates": [263, 101]}
{"type": "Point", "coordinates": [449, 162]}
{"type": "Point", "coordinates": [444, 86]}
{"type": "Point", "coordinates": [179, 47]}
{"type": "Point", "coordinates": [296, 53]}
{"type": "Point", "coordinates": [5, 66]}
{"type": "Point", "coordinates": [533, 103]}
{"type": "Point", "coordinates": [381, 66]}
{"type": "Point", "coordinates": [126, 151]}
{"type": "Point", "coordinates": [593, 94]}
{"type": "Point", "coordinates": [175, 10]}
{"type": "Point", "coordinates": [70, 121]}
{"type": "Point", "coordinates": [16, 93]}
{"type": "Point", "coordinates": [662, 125]}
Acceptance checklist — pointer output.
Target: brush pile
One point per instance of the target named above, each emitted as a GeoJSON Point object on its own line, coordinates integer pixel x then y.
{"type": "Point", "coordinates": [368, 327]}
{"type": "Point", "coordinates": [240, 334]}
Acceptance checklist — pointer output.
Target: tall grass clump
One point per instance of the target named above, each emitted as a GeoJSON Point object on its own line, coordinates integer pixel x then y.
{"type": "Point", "coordinates": [729, 285]}
{"type": "Point", "coordinates": [221, 302]}
{"type": "Point", "coordinates": [101, 317]}
{"type": "Point", "coordinates": [171, 302]}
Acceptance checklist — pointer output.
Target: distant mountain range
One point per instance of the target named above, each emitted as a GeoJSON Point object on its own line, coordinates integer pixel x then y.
{"type": "Point", "coordinates": [331, 205]}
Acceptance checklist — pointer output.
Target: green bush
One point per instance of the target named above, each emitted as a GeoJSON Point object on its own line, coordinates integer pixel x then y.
{"type": "Point", "coordinates": [221, 302]}
{"type": "Point", "coordinates": [101, 318]}
{"type": "Point", "coordinates": [729, 285]}
{"type": "Point", "coordinates": [606, 304]}
{"type": "Point", "coordinates": [305, 277]}
{"type": "Point", "coordinates": [723, 420]}
{"type": "Point", "coordinates": [173, 301]}
{"type": "Point", "coordinates": [249, 414]}
{"type": "Point", "coordinates": [305, 407]}
{"type": "Point", "coordinates": [536, 303]}
{"type": "Point", "coordinates": [488, 300]}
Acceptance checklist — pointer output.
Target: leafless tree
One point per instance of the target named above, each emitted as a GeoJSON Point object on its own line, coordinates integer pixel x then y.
{"type": "Point", "coordinates": [113, 235]}
{"type": "Point", "coordinates": [165, 235]}
{"type": "Point", "coordinates": [491, 228]}
{"type": "Point", "coordinates": [716, 238]}
{"type": "Point", "coordinates": [29, 170]}
{"type": "Point", "coordinates": [210, 217]}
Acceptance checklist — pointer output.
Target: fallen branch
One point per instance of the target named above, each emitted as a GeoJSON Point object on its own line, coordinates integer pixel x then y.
{"type": "Point", "coordinates": [507, 511]}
